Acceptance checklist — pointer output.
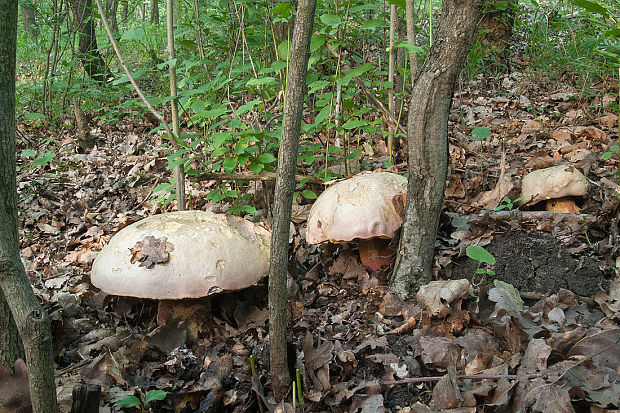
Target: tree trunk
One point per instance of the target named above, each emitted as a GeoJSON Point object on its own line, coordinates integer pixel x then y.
{"type": "Point", "coordinates": [88, 51]}
{"type": "Point", "coordinates": [111, 7]}
{"type": "Point", "coordinates": [495, 30]}
{"type": "Point", "coordinates": [179, 170]}
{"type": "Point", "coordinates": [124, 12]}
{"type": "Point", "coordinates": [29, 18]}
{"type": "Point", "coordinates": [32, 322]}
{"type": "Point", "coordinates": [427, 133]}
{"type": "Point", "coordinates": [154, 12]}
{"type": "Point", "coordinates": [284, 188]}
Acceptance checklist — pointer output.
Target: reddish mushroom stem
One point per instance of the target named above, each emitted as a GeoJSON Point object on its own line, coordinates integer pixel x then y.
{"type": "Point", "coordinates": [374, 253]}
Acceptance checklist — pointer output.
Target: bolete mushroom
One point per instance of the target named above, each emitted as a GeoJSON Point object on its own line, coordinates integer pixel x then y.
{"type": "Point", "coordinates": [185, 254]}
{"type": "Point", "coordinates": [556, 186]}
{"type": "Point", "coordinates": [368, 207]}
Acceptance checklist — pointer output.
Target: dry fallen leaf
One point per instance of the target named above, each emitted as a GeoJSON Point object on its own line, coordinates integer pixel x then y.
{"type": "Point", "coordinates": [151, 251]}
{"type": "Point", "coordinates": [437, 296]}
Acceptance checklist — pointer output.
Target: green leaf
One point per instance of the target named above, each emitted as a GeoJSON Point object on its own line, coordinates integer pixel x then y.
{"type": "Point", "coordinates": [316, 42]}
{"type": "Point", "coordinates": [308, 194]}
{"type": "Point", "coordinates": [262, 81]}
{"type": "Point", "coordinates": [257, 167]}
{"type": "Point", "coordinates": [248, 209]}
{"type": "Point", "coordinates": [478, 253]}
{"type": "Point", "coordinates": [130, 401]}
{"type": "Point", "coordinates": [358, 71]}
{"type": "Point", "coordinates": [330, 19]}
{"type": "Point", "coordinates": [230, 163]}
{"type": "Point", "coordinates": [612, 33]}
{"type": "Point", "coordinates": [274, 67]}
{"type": "Point", "coordinates": [266, 158]}
{"type": "Point", "coordinates": [373, 24]}
{"type": "Point", "coordinates": [607, 155]}
{"type": "Point", "coordinates": [43, 158]}
{"type": "Point", "coordinates": [247, 107]}
{"type": "Point", "coordinates": [355, 123]}
{"type": "Point", "coordinates": [33, 116]}
{"type": "Point", "coordinates": [29, 153]}
{"type": "Point", "coordinates": [155, 395]}
{"type": "Point", "coordinates": [480, 133]}
{"type": "Point", "coordinates": [591, 6]}
{"type": "Point", "coordinates": [282, 10]}
{"type": "Point", "coordinates": [354, 154]}
{"type": "Point", "coordinates": [323, 114]}
{"type": "Point", "coordinates": [398, 3]}
{"type": "Point", "coordinates": [171, 62]}
{"type": "Point", "coordinates": [319, 84]}
{"type": "Point", "coordinates": [137, 34]}
{"type": "Point", "coordinates": [283, 49]}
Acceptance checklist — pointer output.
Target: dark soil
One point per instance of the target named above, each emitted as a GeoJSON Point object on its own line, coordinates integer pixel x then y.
{"type": "Point", "coordinates": [536, 262]}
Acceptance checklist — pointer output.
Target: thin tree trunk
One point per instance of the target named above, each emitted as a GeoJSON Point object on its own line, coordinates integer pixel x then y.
{"type": "Point", "coordinates": [111, 6]}
{"type": "Point", "coordinates": [179, 171]}
{"type": "Point", "coordinates": [431, 98]}
{"type": "Point", "coordinates": [124, 12]}
{"type": "Point", "coordinates": [31, 320]}
{"type": "Point", "coordinates": [154, 12]}
{"type": "Point", "coordinates": [88, 51]}
{"type": "Point", "coordinates": [284, 188]}
{"type": "Point", "coordinates": [29, 18]}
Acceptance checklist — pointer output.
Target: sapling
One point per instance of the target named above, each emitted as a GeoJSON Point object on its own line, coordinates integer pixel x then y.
{"type": "Point", "coordinates": [133, 401]}
{"type": "Point", "coordinates": [478, 253]}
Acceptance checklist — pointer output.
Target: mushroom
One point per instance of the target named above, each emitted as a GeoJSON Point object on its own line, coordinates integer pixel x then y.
{"type": "Point", "coordinates": [185, 254]}
{"type": "Point", "coordinates": [556, 185]}
{"type": "Point", "coordinates": [368, 207]}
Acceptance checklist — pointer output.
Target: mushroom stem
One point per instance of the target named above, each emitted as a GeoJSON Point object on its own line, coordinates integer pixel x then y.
{"type": "Point", "coordinates": [374, 253]}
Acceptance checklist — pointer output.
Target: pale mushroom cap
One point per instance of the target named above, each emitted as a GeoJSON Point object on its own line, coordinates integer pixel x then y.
{"type": "Point", "coordinates": [361, 207]}
{"type": "Point", "coordinates": [554, 182]}
{"type": "Point", "coordinates": [212, 253]}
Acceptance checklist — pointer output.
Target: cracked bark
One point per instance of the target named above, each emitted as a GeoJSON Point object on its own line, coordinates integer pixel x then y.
{"type": "Point", "coordinates": [427, 135]}
{"type": "Point", "coordinates": [284, 188]}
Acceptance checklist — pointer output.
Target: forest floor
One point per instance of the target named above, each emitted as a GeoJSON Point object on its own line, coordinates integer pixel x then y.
{"type": "Point", "coordinates": [555, 347]}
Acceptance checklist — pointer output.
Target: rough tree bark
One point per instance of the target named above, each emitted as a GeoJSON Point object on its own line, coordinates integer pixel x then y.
{"type": "Point", "coordinates": [111, 7]}
{"type": "Point", "coordinates": [88, 51]}
{"type": "Point", "coordinates": [284, 188]}
{"type": "Point", "coordinates": [154, 12]}
{"type": "Point", "coordinates": [31, 320]}
{"type": "Point", "coordinates": [427, 134]}
{"type": "Point", "coordinates": [29, 18]}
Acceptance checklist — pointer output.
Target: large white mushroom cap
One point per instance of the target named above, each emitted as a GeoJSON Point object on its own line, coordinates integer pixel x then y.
{"type": "Point", "coordinates": [365, 206]}
{"type": "Point", "coordinates": [551, 183]}
{"type": "Point", "coordinates": [204, 253]}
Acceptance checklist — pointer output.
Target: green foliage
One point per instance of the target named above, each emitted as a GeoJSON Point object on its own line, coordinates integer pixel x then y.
{"type": "Point", "coordinates": [482, 256]}
{"type": "Point", "coordinates": [133, 401]}
{"type": "Point", "coordinates": [508, 203]}
{"type": "Point", "coordinates": [578, 35]}
{"type": "Point", "coordinates": [231, 92]}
